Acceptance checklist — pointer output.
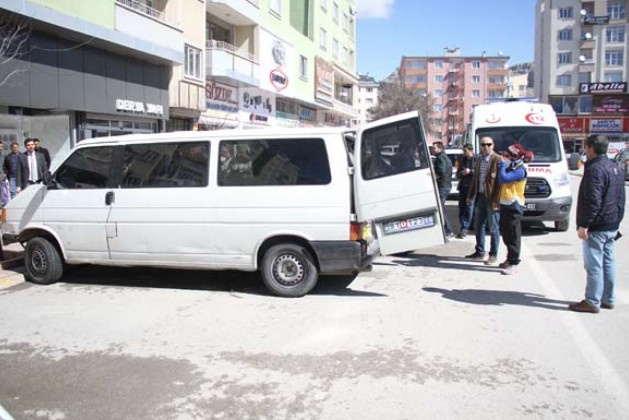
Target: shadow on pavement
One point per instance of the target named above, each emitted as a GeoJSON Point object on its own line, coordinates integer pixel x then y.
{"type": "Point", "coordinates": [210, 280]}
{"type": "Point", "coordinates": [440, 261]}
{"type": "Point", "coordinates": [500, 297]}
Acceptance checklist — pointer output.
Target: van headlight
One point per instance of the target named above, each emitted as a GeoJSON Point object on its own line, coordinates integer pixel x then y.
{"type": "Point", "coordinates": [562, 180]}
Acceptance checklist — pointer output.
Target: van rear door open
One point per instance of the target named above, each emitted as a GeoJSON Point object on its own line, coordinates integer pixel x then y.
{"type": "Point", "coordinates": [394, 185]}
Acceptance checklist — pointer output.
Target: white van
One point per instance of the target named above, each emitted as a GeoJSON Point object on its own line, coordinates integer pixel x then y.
{"type": "Point", "coordinates": [287, 202]}
{"type": "Point", "coordinates": [535, 127]}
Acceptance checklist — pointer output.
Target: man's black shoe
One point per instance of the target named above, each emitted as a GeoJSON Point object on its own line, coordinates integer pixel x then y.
{"type": "Point", "coordinates": [583, 306]}
{"type": "Point", "coordinates": [476, 257]}
{"type": "Point", "coordinates": [607, 305]}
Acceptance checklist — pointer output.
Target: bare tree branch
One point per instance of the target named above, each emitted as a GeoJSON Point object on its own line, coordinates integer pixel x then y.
{"type": "Point", "coordinates": [14, 36]}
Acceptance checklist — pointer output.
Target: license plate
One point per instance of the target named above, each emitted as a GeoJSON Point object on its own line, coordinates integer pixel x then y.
{"type": "Point", "coordinates": [411, 223]}
{"type": "Point", "coordinates": [531, 206]}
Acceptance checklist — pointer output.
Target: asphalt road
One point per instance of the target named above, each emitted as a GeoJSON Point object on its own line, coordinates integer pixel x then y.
{"type": "Point", "coordinates": [428, 335]}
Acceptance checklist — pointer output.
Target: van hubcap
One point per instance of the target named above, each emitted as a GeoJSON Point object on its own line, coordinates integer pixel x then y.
{"type": "Point", "coordinates": [38, 261]}
{"type": "Point", "coordinates": [288, 270]}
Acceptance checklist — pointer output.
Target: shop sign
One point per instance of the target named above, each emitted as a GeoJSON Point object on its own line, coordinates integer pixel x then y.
{"type": "Point", "coordinates": [256, 101]}
{"type": "Point", "coordinates": [606, 126]}
{"type": "Point", "coordinates": [324, 80]}
{"type": "Point", "coordinates": [596, 20]}
{"type": "Point", "coordinates": [221, 97]}
{"type": "Point", "coordinates": [278, 79]}
{"type": "Point", "coordinates": [610, 104]}
{"type": "Point", "coordinates": [307, 114]}
{"type": "Point", "coordinates": [606, 87]}
{"type": "Point", "coordinates": [138, 107]}
{"type": "Point", "coordinates": [571, 125]}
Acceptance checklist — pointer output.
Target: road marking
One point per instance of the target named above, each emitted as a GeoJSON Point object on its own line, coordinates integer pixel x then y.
{"type": "Point", "coordinates": [607, 377]}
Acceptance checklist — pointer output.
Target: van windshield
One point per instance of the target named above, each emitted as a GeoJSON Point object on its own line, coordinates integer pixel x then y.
{"type": "Point", "coordinates": [542, 141]}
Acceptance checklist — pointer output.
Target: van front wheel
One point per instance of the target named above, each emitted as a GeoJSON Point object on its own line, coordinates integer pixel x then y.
{"type": "Point", "coordinates": [43, 262]}
{"type": "Point", "coordinates": [288, 270]}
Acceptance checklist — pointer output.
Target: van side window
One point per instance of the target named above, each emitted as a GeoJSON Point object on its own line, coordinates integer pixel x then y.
{"type": "Point", "coordinates": [86, 168]}
{"type": "Point", "coordinates": [177, 164]}
{"type": "Point", "coordinates": [273, 162]}
{"type": "Point", "coordinates": [393, 149]}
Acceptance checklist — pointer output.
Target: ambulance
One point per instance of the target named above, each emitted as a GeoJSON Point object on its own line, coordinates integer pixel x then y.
{"type": "Point", "coordinates": [533, 125]}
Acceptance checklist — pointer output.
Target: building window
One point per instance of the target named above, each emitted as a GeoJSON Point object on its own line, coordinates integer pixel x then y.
{"type": "Point", "coordinates": [613, 58]}
{"type": "Point", "coordinates": [476, 64]}
{"type": "Point", "coordinates": [613, 77]}
{"type": "Point", "coordinates": [369, 90]}
{"type": "Point", "coordinates": [439, 78]}
{"type": "Point", "coordinates": [335, 48]}
{"type": "Point", "coordinates": [369, 100]}
{"type": "Point", "coordinates": [422, 92]}
{"type": "Point", "coordinates": [324, 5]}
{"type": "Point", "coordinates": [323, 39]}
{"type": "Point", "coordinates": [345, 22]}
{"type": "Point", "coordinates": [345, 57]}
{"type": "Point", "coordinates": [616, 10]}
{"type": "Point", "coordinates": [493, 65]}
{"type": "Point", "coordinates": [192, 63]}
{"type": "Point", "coordinates": [276, 6]}
{"type": "Point", "coordinates": [438, 107]}
{"type": "Point", "coordinates": [564, 58]}
{"type": "Point", "coordinates": [565, 12]}
{"type": "Point", "coordinates": [585, 104]}
{"type": "Point", "coordinates": [438, 93]}
{"type": "Point", "coordinates": [495, 94]}
{"type": "Point", "coordinates": [564, 80]}
{"type": "Point", "coordinates": [475, 79]}
{"type": "Point", "coordinates": [565, 34]}
{"type": "Point", "coordinates": [438, 121]}
{"type": "Point", "coordinates": [475, 93]}
{"type": "Point", "coordinates": [615, 34]}
{"type": "Point", "coordinates": [439, 64]}
{"type": "Point", "coordinates": [585, 77]}
{"type": "Point", "coordinates": [303, 67]}
{"type": "Point", "coordinates": [335, 12]}
{"type": "Point", "coordinates": [438, 136]}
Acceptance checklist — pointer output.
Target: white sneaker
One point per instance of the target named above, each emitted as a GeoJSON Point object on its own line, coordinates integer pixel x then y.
{"type": "Point", "coordinates": [508, 271]}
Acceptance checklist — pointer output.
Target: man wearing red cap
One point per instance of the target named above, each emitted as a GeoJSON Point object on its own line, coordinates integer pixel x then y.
{"type": "Point", "coordinates": [512, 178]}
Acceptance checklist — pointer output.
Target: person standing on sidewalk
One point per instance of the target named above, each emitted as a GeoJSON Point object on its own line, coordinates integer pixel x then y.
{"type": "Point", "coordinates": [484, 193]}
{"type": "Point", "coordinates": [600, 209]}
{"type": "Point", "coordinates": [465, 174]}
{"type": "Point", "coordinates": [443, 171]}
{"type": "Point", "coordinates": [11, 166]}
{"type": "Point", "coordinates": [512, 183]}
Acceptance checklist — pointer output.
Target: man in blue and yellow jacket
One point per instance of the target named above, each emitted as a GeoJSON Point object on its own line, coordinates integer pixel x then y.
{"type": "Point", "coordinates": [512, 177]}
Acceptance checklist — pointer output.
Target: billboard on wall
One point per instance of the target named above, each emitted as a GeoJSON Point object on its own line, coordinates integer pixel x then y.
{"type": "Point", "coordinates": [610, 104]}
{"type": "Point", "coordinates": [606, 126]}
{"type": "Point", "coordinates": [257, 106]}
{"type": "Point", "coordinates": [324, 81]}
{"type": "Point", "coordinates": [571, 125]}
{"type": "Point", "coordinates": [277, 64]}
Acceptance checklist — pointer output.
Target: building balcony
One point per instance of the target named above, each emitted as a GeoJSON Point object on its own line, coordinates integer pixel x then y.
{"type": "Point", "coordinates": [342, 106]}
{"type": "Point", "coordinates": [497, 86]}
{"type": "Point", "coordinates": [588, 43]}
{"type": "Point", "coordinates": [227, 64]}
{"type": "Point", "coordinates": [453, 111]}
{"type": "Point", "coordinates": [498, 72]}
{"type": "Point", "coordinates": [136, 19]}
{"type": "Point", "coordinates": [235, 12]}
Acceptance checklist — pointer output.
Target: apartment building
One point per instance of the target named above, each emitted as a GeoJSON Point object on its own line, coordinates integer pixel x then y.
{"type": "Point", "coordinates": [581, 67]}
{"type": "Point", "coordinates": [521, 81]}
{"type": "Point", "coordinates": [368, 90]}
{"type": "Point", "coordinates": [456, 83]}
{"type": "Point", "coordinates": [280, 63]}
{"type": "Point", "coordinates": [77, 70]}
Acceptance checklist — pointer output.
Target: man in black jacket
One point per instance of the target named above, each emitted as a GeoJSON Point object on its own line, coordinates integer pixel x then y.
{"type": "Point", "coordinates": [465, 174]}
{"type": "Point", "coordinates": [443, 171]}
{"type": "Point", "coordinates": [600, 209]}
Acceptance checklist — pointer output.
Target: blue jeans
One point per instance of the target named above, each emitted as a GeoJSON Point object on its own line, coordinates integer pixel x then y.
{"type": "Point", "coordinates": [465, 212]}
{"type": "Point", "coordinates": [485, 215]}
{"type": "Point", "coordinates": [12, 187]}
{"type": "Point", "coordinates": [598, 259]}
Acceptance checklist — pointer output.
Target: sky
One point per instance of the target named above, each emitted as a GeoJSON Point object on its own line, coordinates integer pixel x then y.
{"type": "Point", "coordinates": [388, 29]}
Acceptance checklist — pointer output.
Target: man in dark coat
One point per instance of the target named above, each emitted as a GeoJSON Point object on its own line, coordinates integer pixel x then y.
{"type": "Point", "coordinates": [600, 209]}
{"type": "Point", "coordinates": [31, 166]}
{"type": "Point", "coordinates": [465, 174]}
{"type": "Point", "coordinates": [443, 171]}
{"type": "Point", "coordinates": [43, 151]}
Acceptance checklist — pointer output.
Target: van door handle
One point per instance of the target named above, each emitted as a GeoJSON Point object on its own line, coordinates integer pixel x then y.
{"type": "Point", "coordinates": [109, 198]}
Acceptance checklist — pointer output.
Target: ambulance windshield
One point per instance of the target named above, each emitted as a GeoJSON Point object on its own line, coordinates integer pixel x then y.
{"type": "Point", "coordinates": [542, 141]}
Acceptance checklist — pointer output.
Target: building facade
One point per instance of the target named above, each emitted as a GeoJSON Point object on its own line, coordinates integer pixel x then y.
{"type": "Point", "coordinates": [77, 70]}
{"type": "Point", "coordinates": [581, 67]}
{"type": "Point", "coordinates": [456, 83]}
{"type": "Point", "coordinates": [521, 81]}
{"type": "Point", "coordinates": [368, 90]}
{"type": "Point", "coordinates": [280, 63]}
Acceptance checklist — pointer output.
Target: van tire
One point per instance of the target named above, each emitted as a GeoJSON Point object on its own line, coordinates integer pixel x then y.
{"type": "Point", "coordinates": [562, 225]}
{"type": "Point", "coordinates": [43, 261]}
{"type": "Point", "coordinates": [288, 270]}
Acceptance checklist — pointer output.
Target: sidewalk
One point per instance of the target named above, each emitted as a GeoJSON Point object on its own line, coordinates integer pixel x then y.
{"type": "Point", "coordinates": [12, 266]}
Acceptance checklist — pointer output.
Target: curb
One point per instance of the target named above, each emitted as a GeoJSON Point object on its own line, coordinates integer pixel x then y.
{"type": "Point", "coordinates": [10, 272]}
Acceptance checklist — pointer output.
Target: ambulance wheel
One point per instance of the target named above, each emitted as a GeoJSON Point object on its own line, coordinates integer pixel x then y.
{"type": "Point", "coordinates": [562, 225]}
{"type": "Point", "coordinates": [43, 262]}
{"type": "Point", "coordinates": [288, 270]}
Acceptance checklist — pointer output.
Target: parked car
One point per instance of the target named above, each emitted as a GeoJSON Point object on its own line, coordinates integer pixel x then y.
{"type": "Point", "coordinates": [622, 160]}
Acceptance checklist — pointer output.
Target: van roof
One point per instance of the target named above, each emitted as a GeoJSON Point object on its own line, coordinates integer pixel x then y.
{"type": "Point", "coordinates": [223, 134]}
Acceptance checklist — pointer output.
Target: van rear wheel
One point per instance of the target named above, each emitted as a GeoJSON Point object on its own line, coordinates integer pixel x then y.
{"type": "Point", "coordinates": [288, 270]}
{"type": "Point", "coordinates": [43, 262]}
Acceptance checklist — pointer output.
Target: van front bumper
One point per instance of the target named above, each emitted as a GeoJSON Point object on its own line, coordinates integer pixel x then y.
{"type": "Point", "coordinates": [553, 210]}
{"type": "Point", "coordinates": [345, 257]}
